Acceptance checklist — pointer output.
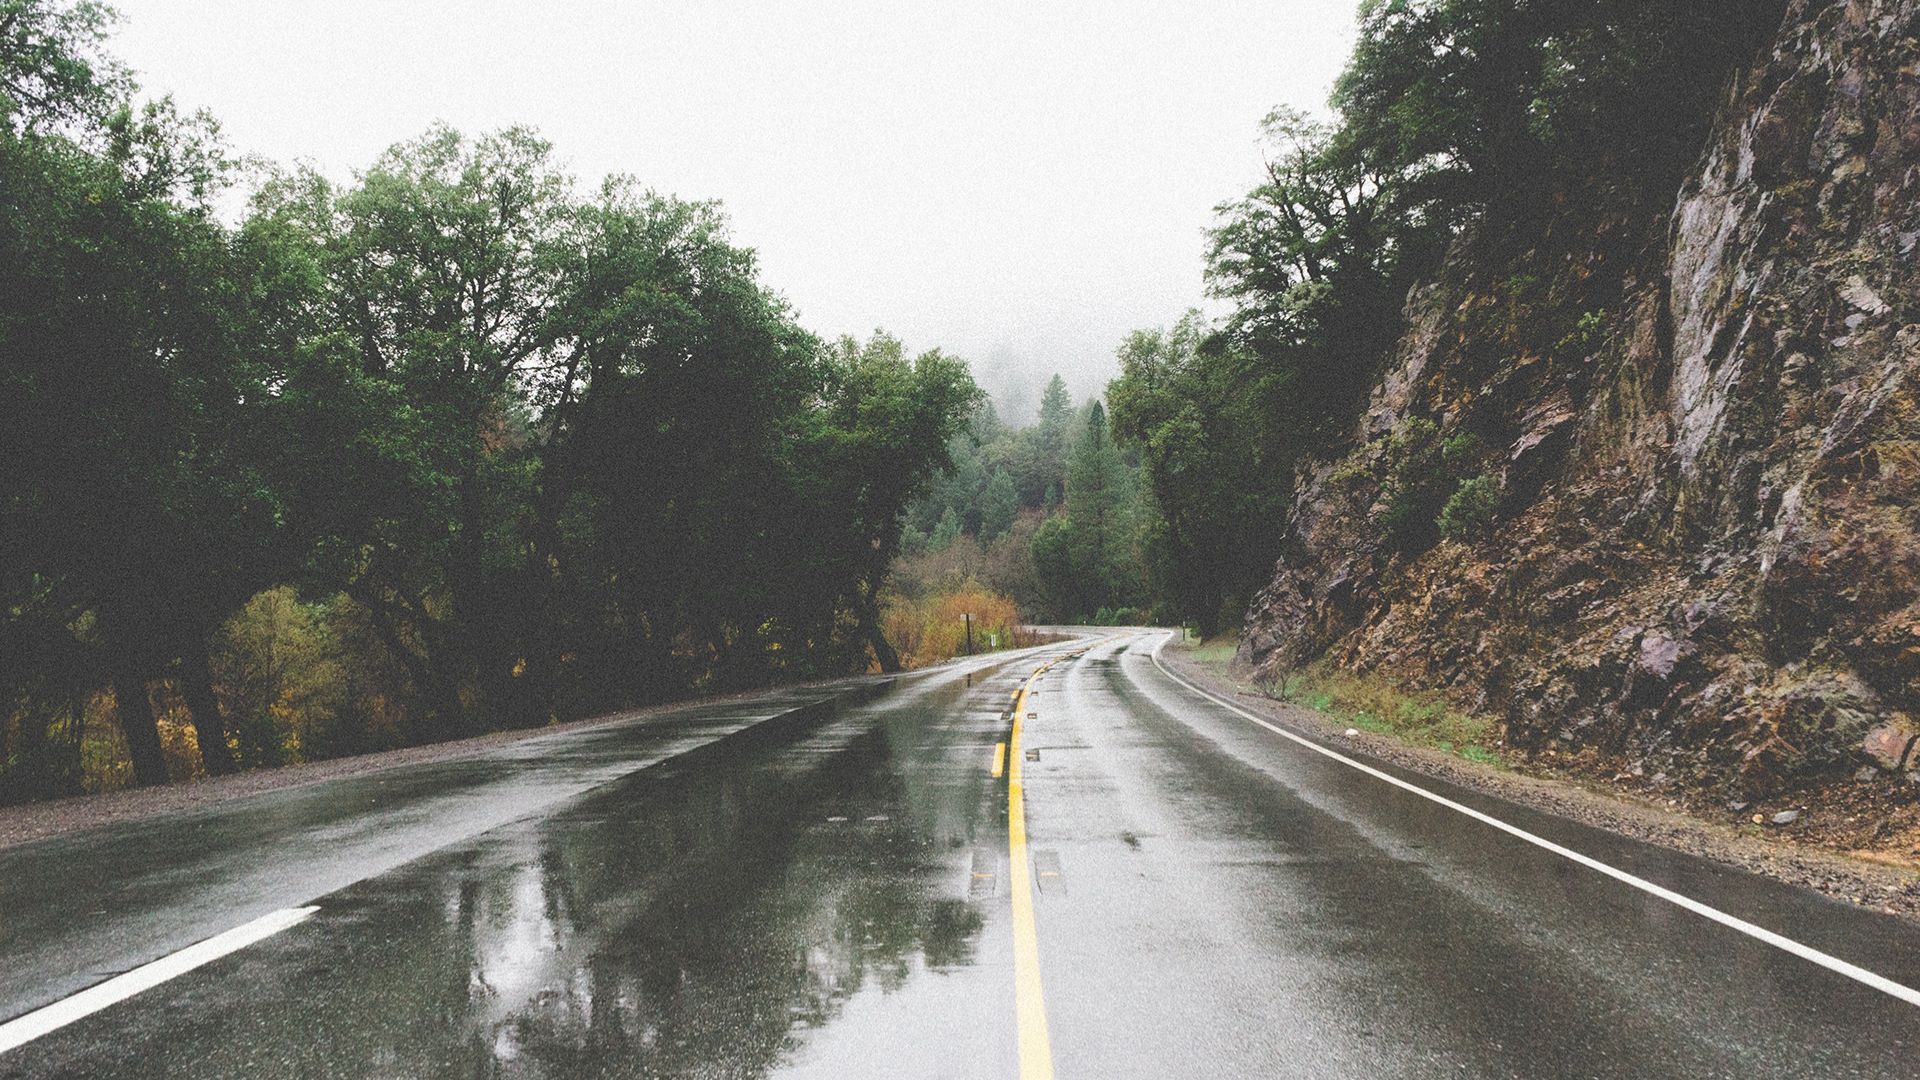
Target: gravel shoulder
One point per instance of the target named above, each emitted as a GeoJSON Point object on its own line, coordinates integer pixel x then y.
{"type": "Point", "coordinates": [1891, 886]}
{"type": "Point", "coordinates": [37, 821]}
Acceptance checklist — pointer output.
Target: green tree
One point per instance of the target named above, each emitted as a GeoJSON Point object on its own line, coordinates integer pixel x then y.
{"type": "Point", "coordinates": [885, 431]}
{"type": "Point", "coordinates": [1083, 554]}
{"type": "Point", "coordinates": [54, 71]}
{"type": "Point", "coordinates": [441, 270]}
{"type": "Point", "coordinates": [1474, 104]}
{"type": "Point", "coordinates": [1000, 504]}
{"type": "Point", "coordinates": [134, 507]}
{"type": "Point", "coordinates": [946, 532]}
{"type": "Point", "coordinates": [1215, 471]}
{"type": "Point", "coordinates": [1312, 269]}
{"type": "Point", "coordinates": [1042, 463]}
{"type": "Point", "coordinates": [667, 485]}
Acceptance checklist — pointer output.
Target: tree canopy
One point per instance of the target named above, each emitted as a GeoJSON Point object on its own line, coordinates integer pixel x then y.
{"type": "Point", "coordinates": [517, 450]}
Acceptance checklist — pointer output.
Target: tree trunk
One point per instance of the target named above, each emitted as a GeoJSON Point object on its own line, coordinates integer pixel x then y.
{"type": "Point", "coordinates": [883, 652]}
{"type": "Point", "coordinates": [135, 710]}
{"type": "Point", "coordinates": [1207, 620]}
{"type": "Point", "coordinates": [73, 763]}
{"type": "Point", "coordinates": [33, 735]}
{"type": "Point", "coordinates": [651, 677]}
{"type": "Point", "coordinates": [196, 685]}
{"type": "Point", "coordinates": [870, 622]}
{"type": "Point", "coordinates": [441, 698]}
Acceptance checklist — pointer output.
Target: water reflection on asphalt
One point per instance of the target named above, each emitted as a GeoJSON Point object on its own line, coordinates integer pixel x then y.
{"type": "Point", "coordinates": [695, 920]}
{"type": "Point", "coordinates": [690, 931]}
{"type": "Point", "coordinates": [697, 926]}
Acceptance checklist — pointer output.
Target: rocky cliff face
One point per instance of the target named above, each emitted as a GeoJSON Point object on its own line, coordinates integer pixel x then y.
{"type": "Point", "coordinates": [1697, 426]}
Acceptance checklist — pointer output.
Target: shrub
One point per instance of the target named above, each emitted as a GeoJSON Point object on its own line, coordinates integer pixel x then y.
{"type": "Point", "coordinates": [932, 628]}
{"type": "Point", "coordinates": [1463, 451]}
{"type": "Point", "coordinates": [1586, 333]}
{"type": "Point", "coordinates": [1408, 488]}
{"type": "Point", "coordinates": [1469, 511]}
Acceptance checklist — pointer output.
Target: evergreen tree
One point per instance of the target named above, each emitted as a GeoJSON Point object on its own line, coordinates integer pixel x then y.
{"type": "Point", "coordinates": [1084, 553]}
{"type": "Point", "coordinates": [1047, 453]}
{"type": "Point", "coordinates": [999, 505]}
{"type": "Point", "coordinates": [945, 533]}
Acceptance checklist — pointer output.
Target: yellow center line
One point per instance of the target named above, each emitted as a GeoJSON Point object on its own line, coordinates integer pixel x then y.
{"type": "Point", "coordinates": [999, 759]}
{"type": "Point", "coordinates": [1036, 1052]}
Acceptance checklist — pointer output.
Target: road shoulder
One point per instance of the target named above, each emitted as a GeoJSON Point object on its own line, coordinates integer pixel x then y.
{"type": "Point", "coordinates": [29, 822]}
{"type": "Point", "coordinates": [1878, 887]}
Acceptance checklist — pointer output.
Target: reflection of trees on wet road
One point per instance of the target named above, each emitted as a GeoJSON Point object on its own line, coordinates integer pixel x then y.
{"type": "Point", "coordinates": [714, 916]}
{"type": "Point", "coordinates": [693, 927]}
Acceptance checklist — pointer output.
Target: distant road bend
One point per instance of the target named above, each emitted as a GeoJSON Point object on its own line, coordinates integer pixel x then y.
{"type": "Point", "coordinates": [1063, 861]}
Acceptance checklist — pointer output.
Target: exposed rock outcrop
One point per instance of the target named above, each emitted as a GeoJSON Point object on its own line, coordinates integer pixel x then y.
{"type": "Point", "coordinates": [1703, 422]}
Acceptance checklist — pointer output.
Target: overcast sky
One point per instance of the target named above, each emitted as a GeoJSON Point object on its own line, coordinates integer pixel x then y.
{"type": "Point", "coordinates": [1019, 183]}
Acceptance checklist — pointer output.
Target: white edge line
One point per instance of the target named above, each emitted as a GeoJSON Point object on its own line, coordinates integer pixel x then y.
{"type": "Point", "coordinates": [1779, 941]}
{"type": "Point", "coordinates": [49, 1018]}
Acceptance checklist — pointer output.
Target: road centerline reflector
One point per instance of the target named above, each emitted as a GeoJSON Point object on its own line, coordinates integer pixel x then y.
{"type": "Point", "coordinates": [50, 1018]}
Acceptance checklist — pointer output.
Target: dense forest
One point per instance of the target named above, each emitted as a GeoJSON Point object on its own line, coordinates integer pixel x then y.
{"type": "Point", "coordinates": [1048, 517]}
{"type": "Point", "coordinates": [457, 446]}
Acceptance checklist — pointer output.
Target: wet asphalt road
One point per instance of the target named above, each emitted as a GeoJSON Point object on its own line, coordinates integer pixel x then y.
{"type": "Point", "coordinates": [830, 898]}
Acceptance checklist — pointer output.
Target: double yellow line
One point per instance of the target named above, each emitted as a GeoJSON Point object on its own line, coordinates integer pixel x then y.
{"type": "Point", "coordinates": [1036, 1052]}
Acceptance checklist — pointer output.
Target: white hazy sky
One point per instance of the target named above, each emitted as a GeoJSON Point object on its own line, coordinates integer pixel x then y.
{"type": "Point", "coordinates": [1019, 183]}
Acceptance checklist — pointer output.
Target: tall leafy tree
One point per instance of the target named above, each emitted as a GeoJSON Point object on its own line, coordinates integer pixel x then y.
{"type": "Point", "coordinates": [441, 270]}
{"type": "Point", "coordinates": [1309, 261]}
{"type": "Point", "coordinates": [885, 429]}
{"type": "Point", "coordinates": [135, 510]}
{"type": "Point", "coordinates": [1487, 104]}
{"type": "Point", "coordinates": [1215, 494]}
{"type": "Point", "coordinates": [684, 382]}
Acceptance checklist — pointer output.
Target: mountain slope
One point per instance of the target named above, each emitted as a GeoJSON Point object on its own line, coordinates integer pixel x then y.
{"type": "Point", "coordinates": [1676, 443]}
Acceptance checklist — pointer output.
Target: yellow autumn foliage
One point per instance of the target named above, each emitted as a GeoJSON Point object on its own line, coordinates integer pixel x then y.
{"type": "Point", "coordinates": [933, 628]}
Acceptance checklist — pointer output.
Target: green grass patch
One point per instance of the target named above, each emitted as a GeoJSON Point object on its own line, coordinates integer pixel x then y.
{"type": "Point", "coordinates": [1368, 702]}
{"type": "Point", "coordinates": [1215, 652]}
{"type": "Point", "coordinates": [1369, 722]}
{"type": "Point", "coordinates": [1374, 703]}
